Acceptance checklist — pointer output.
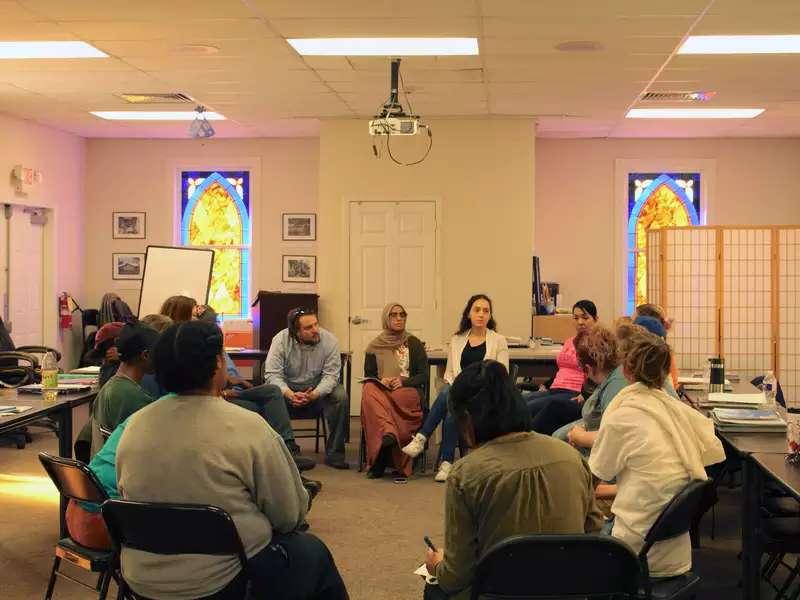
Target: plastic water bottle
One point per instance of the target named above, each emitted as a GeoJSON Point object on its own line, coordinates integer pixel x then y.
{"type": "Point", "coordinates": [49, 377]}
{"type": "Point", "coordinates": [770, 385]}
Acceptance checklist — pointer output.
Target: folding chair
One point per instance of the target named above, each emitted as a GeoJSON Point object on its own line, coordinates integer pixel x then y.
{"type": "Point", "coordinates": [169, 529]}
{"type": "Point", "coordinates": [527, 567]}
{"type": "Point", "coordinates": [675, 519]}
{"type": "Point", "coordinates": [76, 481]}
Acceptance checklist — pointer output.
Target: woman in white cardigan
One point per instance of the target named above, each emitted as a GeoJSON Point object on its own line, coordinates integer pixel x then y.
{"type": "Point", "coordinates": [475, 340]}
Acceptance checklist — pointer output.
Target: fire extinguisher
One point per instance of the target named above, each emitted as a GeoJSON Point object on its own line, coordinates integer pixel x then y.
{"type": "Point", "coordinates": [64, 311]}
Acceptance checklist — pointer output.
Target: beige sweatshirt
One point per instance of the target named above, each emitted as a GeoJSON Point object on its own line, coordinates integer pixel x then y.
{"type": "Point", "coordinates": [204, 450]}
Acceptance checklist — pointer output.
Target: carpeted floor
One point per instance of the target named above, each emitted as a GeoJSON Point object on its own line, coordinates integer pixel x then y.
{"type": "Point", "coordinates": [373, 528]}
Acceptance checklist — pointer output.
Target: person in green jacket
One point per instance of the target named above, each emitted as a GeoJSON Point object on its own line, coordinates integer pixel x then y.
{"type": "Point", "coordinates": [123, 395]}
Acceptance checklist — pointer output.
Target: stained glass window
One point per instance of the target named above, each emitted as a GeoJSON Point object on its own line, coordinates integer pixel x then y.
{"type": "Point", "coordinates": [655, 200]}
{"type": "Point", "coordinates": [215, 213]}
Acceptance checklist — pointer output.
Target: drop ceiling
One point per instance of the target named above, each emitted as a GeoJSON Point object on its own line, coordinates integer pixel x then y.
{"type": "Point", "coordinates": [266, 89]}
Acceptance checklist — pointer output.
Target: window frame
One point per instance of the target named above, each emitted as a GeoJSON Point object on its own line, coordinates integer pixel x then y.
{"type": "Point", "coordinates": [252, 264]}
{"type": "Point", "coordinates": [623, 167]}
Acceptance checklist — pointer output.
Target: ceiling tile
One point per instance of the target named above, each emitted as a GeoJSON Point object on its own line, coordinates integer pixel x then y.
{"type": "Point", "coordinates": [360, 9]}
{"type": "Point", "coordinates": [378, 27]}
{"type": "Point", "coordinates": [121, 10]}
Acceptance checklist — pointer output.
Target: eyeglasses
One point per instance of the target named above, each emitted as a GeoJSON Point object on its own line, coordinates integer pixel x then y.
{"type": "Point", "coordinates": [397, 315]}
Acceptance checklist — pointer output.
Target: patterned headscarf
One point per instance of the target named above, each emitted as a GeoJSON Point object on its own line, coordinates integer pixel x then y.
{"type": "Point", "coordinates": [384, 346]}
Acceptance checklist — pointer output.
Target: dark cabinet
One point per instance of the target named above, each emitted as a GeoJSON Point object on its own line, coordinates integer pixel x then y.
{"type": "Point", "coordinates": [269, 311]}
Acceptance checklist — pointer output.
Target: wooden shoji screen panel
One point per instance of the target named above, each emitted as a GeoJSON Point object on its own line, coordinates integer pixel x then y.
{"type": "Point", "coordinates": [690, 297]}
{"type": "Point", "coordinates": [747, 300]}
{"type": "Point", "coordinates": [654, 267]}
{"type": "Point", "coordinates": [788, 330]}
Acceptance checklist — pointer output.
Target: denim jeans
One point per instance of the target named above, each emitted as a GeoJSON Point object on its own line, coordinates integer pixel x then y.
{"type": "Point", "coordinates": [438, 414]}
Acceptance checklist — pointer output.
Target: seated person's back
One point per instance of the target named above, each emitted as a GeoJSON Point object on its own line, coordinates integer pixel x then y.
{"type": "Point", "coordinates": [122, 395]}
{"type": "Point", "coordinates": [192, 446]}
{"type": "Point", "coordinates": [514, 482]}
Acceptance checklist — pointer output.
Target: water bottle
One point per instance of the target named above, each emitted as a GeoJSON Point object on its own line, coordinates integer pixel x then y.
{"type": "Point", "coordinates": [49, 377]}
{"type": "Point", "coordinates": [770, 385]}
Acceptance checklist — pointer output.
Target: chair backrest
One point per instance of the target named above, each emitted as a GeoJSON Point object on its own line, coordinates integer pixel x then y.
{"type": "Point", "coordinates": [73, 479]}
{"type": "Point", "coordinates": [677, 516]}
{"type": "Point", "coordinates": [563, 566]}
{"type": "Point", "coordinates": [163, 528]}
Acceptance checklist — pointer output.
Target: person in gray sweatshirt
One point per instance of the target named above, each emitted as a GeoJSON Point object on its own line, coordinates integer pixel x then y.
{"type": "Point", "coordinates": [192, 446]}
{"type": "Point", "coordinates": [304, 362]}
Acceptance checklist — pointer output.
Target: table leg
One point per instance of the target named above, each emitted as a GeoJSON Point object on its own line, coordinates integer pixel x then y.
{"type": "Point", "coordinates": [751, 525]}
{"type": "Point", "coordinates": [65, 451]}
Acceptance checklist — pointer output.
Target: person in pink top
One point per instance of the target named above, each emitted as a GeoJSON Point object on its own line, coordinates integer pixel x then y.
{"type": "Point", "coordinates": [565, 391]}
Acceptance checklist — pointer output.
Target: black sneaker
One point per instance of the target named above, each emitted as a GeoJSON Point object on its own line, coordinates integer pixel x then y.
{"type": "Point", "coordinates": [293, 447]}
{"type": "Point", "coordinates": [304, 463]}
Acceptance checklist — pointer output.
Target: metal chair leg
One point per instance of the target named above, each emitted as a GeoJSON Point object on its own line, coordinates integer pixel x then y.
{"type": "Point", "coordinates": [52, 583]}
{"type": "Point", "coordinates": [106, 577]}
{"type": "Point", "coordinates": [316, 436]}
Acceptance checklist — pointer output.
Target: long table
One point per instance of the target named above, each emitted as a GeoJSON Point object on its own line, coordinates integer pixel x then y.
{"type": "Point", "coordinates": [532, 362]}
{"type": "Point", "coordinates": [763, 456]}
{"type": "Point", "coordinates": [60, 410]}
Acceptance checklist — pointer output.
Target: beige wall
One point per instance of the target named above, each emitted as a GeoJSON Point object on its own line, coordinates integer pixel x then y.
{"type": "Point", "coordinates": [756, 182]}
{"type": "Point", "coordinates": [141, 175]}
{"type": "Point", "coordinates": [481, 171]}
{"type": "Point", "coordinates": [60, 157]}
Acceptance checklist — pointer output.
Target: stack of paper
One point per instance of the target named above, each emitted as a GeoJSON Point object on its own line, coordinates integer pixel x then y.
{"type": "Point", "coordinates": [91, 370]}
{"type": "Point", "coordinates": [5, 411]}
{"type": "Point", "coordinates": [747, 419]}
{"type": "Point", "coordinates": [698, 382]}
{"type": "Point", "coordinates": [726, 399]}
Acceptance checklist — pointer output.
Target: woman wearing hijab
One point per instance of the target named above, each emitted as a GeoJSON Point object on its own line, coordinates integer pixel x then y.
{"type": "Point", "coordinates": [390, 405]}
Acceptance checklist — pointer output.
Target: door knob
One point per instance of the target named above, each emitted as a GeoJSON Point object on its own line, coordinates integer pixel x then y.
{"type": "Point", "coordinates": [358, 320]}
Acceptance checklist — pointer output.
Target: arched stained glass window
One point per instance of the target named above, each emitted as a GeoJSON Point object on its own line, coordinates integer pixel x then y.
{"type": "Point", "coordinates": [655, 200]}
{"type": "Point", "coordinates": [215, 213]}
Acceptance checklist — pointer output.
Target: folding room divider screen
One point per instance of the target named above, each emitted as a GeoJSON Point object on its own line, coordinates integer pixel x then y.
{"type": "Point", "coordinates": [733, 291]}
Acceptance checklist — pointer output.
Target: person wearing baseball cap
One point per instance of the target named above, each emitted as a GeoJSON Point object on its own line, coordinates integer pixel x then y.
{"type": "Point", "coordinates": [122, 395]}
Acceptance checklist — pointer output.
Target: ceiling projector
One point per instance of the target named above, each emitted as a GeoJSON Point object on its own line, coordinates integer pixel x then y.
{"type": "Point", "coordinates": [392, 118]}
{"type": "Point", "coordinates": [394, 126]}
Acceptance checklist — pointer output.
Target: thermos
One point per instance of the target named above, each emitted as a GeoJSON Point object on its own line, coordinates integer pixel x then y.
{"type": "Point", "coordinates": [716, 380]}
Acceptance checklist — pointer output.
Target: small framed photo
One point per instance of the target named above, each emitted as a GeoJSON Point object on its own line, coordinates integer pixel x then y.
{"type": "Point", "coordinates": [129, 225]}
{"type": "Point", "coordinates": [127, 266]}
{"type": "Point", "coordinates": [299, 269]}
{"type": "Point", "coordinates": [299, 227]}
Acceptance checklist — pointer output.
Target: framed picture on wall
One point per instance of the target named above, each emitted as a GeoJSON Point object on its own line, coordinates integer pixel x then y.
{"type": "Point", "coordinates": [127, 266]}
{"type": "Point", "coordinates": [299, 269]}
{"type": "Point", "coordinates": [129, 225]}
{"type": "Point", "coordinates": [298, 227]}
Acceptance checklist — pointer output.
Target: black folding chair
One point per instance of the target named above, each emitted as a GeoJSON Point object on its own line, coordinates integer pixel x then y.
{"type": "Point", "coordinates": [525, 567]}
{"type": "Point", "coordinates": [76, 481]}
{"type": "Point", "coordinates": [168, 529]}
{"type": "Point", "coordinates": [675, 519]}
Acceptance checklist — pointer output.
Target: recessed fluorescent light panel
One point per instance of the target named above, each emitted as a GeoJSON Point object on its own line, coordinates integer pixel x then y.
{"type": "Point", "coordinates": [26, 50]}
{"type": "Point", "coordinates": [693, 113]}
{"type": "Point", "coordinates": [741, 44]}
{"type": "Point", "coordinates": [448, 46]}
{"type": "Point", "coordinates": [155, 115]}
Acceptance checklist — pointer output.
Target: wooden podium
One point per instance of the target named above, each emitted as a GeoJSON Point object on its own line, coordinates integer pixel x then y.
{"type": "Point", "coordinates": [269, 310]}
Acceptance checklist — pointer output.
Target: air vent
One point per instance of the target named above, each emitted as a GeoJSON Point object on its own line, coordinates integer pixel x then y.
{"type": "Point", "coordinates": [174, 98]}
{"type": "Point", "coordinates": [677, 96]}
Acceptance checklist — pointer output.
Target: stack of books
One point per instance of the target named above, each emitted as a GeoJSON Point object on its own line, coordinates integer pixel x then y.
{"type": "Point", "coordinates": [747, 419]}
{"type": "Point", "coordinates": [699, 382]}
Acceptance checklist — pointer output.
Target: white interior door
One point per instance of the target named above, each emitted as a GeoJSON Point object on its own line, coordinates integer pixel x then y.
{"type": "Point", "coordinates": [392, 259]}
{"type": "Point", "coordinates": [26, 277]}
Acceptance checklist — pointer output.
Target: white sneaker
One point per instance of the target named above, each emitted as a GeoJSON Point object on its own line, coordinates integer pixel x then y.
{"type": "Point", "coordinates": [444, 471]}
{"type": "Point", "coordinates": [415, 446]}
